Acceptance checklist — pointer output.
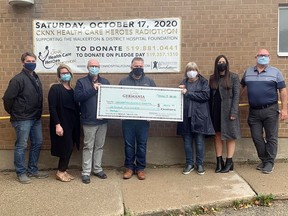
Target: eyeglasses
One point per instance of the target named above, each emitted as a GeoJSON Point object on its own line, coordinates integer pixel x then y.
{"type": "Point", "coordinates": [92, 66]}
{"type": "Point", "coordinates": [64, 73]}
{"type": "Point", "coordinates": [263, 55]}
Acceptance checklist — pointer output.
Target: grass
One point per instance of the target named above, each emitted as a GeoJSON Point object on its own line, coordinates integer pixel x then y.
{"type": "Point", "coordinates": [259, 200]}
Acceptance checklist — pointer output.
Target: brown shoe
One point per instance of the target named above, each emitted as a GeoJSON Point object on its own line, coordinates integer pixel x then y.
{"type": "Point", "coordinates": [128, 174]}
{"type": "Point", "coordinates": [141, 174]}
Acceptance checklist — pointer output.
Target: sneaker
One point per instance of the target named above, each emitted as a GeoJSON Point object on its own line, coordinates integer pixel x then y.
{"type": "Point", "coordinates": [268, 168]}
{"type": "Point", "coordinates": [24, 179]}
{"type": "Point", "coordinates": [260, 166]}
{"type": "Point", "coordinates": [101, 175]}
{"type": "Point", "coordinates": [38, 175]}
{"type": "Point", "coordinates": [86, 179]}
{"type": "Point", "coordinates": [200, 170]}
{"type": "Point", "coordinates": [187, 169]}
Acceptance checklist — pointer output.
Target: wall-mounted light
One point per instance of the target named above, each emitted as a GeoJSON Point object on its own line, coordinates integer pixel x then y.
{"type": "Point", "coordinates": [21, 2]}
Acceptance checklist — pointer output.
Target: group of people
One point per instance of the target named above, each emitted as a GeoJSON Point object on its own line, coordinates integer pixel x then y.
{"type": "Point", "coordinates": [210, 108]}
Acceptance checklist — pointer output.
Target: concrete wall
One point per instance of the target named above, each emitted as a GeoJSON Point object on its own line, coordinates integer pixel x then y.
{"type": "Point", "coordinates": [161, 151]}
{"type": "Point", "coordinates": [234, 28]}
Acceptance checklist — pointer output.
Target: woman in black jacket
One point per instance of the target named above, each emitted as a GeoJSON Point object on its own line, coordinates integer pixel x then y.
{"type": "Point", "coordinates": [64, 121]}
{"type": "Point", "coordinates": [196, 118]}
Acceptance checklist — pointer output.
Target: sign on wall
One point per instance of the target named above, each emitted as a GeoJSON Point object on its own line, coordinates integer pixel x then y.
{"type": "Point", "coordinates": [114, 43]}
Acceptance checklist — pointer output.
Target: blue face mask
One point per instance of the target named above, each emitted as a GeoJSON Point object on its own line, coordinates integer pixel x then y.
{"type": "Point", "coordinates": [94, 71]}
{"type": "Point", "coordinates": [65, 77]}
{"type": "Point", "coordinates": [30, 66]}
{"type": "Point", "coordinates": [263, 60]}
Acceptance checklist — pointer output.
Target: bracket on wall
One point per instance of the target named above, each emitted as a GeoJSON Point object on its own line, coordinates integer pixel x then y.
{"type": "Point", "coordinates": [21, 2]}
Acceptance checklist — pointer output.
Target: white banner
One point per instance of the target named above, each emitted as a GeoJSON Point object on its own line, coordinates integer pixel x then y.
{"type": "Point", "coordinates": [138, 102]}
{"type": "Point", "coordinates": [114, 43]}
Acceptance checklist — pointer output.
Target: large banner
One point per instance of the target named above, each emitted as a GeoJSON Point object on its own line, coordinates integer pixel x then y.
{"type": "Point", "coordinates": [113, 42]}
{"type": "Point", "coordinates": [139, 102]}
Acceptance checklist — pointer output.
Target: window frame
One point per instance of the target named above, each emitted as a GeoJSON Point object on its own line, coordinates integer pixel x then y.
{"type": "Point", "coordinates": [281, 8]}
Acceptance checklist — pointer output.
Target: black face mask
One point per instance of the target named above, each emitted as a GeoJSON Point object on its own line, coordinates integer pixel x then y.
{"type": "Point", "coordinates": [137, 71]}
{"type": "Point", "coordinates": [222, 67]}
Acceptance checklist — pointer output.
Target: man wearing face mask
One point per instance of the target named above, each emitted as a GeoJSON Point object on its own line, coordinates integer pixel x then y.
{"type": "Point", "coordinates": [23, 100]}
{"type": "Point", "coordinates": [86, 92]}
{"type": "Point", "coordinates": [135, 132]}
{"type": "Point", "coordinates": [263, 83]}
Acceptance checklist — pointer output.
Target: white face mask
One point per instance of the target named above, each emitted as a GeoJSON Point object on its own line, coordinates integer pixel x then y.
{"type": "Point", "coordinates": [192, 74]}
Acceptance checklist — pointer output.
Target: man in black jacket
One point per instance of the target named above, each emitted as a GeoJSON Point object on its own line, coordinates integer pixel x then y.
{"type": "Point", "coordinates": [23, 100]}
{"type": "Point", "coordinates": [135, 132]}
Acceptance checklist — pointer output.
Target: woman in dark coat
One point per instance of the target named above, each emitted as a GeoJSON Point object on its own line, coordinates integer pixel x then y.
{"type": "Point", "coordinates": [224, 101]}
{"type": "Point", "coordinates": [196, 118]}
{"type": "Point", "coordinates": [64, 121]}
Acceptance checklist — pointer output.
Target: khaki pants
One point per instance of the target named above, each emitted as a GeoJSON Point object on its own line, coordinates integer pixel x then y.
{"type": "Point", "coordinates": [94, 139]}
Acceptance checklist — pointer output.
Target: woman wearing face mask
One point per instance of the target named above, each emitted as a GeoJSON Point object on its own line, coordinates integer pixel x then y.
{"type": "Point", "coordinates": [196, 118]}
{"type": "Point", "coordinates": [224, 104]}
{"type": "Point", "coordinates": [64, 121]}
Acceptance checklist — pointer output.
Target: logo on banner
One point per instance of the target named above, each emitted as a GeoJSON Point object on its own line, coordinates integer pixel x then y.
{"type": "Point", "coordinates": [155, 64]}
{"type": "Point", "coordinates": [50, 58]}
{"type": "Point", "coordinates": [163, 65]}
{"type": "Point", "coordinates": [42, 56]}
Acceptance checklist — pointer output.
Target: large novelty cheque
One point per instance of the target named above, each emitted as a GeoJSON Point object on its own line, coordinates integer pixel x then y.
{"type": "Point", "coordinates": [142, 103]}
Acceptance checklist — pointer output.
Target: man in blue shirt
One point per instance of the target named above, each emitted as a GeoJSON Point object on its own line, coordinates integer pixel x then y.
{"type": "Point", "coordinates": [263, 83]}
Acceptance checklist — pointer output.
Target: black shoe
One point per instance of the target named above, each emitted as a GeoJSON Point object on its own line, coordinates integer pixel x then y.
{"type": "Point", "coordinates": [38, 175]}
{"type": "Point", "coordinates": [228, 166]}
{"type": "Point", "coordinates": [86, 179]}
{"type": "Point", "coordinates": [268, 168]}
{"type": "Point", "coordinates": [219, 165]}
{"type": "Point", "coordinates": [187, 169]}
{"type": "Point", "coordinates": [200, 170]}
{"type": "Point", "coordinates": [260, 166]}
{"type": "Point", "coordinates": [101, 175]}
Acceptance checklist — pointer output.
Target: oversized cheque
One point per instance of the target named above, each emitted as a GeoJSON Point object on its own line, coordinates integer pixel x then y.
{"type": "Point", "coordinates": [145, 103]}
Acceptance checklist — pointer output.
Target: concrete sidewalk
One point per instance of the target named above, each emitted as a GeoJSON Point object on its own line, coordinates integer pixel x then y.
{"type": "Point", "coordinates": [164, 189]}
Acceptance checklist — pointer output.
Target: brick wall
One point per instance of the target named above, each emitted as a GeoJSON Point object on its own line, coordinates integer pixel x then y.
{"type": "Point", "coordinates": [234, 28]}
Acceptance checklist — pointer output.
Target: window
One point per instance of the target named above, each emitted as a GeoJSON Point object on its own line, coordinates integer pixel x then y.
{"type": "Point", "coordinates": [283, 30]}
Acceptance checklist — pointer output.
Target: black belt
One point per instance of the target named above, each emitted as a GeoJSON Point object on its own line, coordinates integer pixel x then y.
{"type": "Point", "coordinates": [264, 106]}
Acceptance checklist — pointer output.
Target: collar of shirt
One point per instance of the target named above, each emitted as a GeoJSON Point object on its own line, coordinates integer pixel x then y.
{"type": "Point", "coordinates": [264, 70]}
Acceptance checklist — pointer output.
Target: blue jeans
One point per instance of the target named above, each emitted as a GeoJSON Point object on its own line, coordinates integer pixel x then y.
{"type": "Point", "coordinates": [135, 133]}
{"type": "Point", "coordinates": [268, 120]}
{"type": "Point", "coordinates": [24, 130]}
{"type": "Point", "coordinates": [199, 147]}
